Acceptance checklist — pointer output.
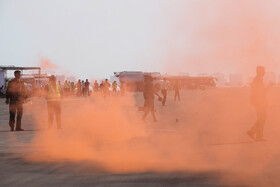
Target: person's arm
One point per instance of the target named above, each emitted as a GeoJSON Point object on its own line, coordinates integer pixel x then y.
{"type": "Point", "coordinates": [8, 93]}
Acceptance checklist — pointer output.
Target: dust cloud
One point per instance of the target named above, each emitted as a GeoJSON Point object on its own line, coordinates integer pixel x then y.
{"type": "Point", "coordinates": [111, 133]}
{"type": "Point", "coordinates": [46, 64]}
{"type": "Point", "coordinates": [208, 36]}
{"type": "Point", "coordinates": [232, 36]}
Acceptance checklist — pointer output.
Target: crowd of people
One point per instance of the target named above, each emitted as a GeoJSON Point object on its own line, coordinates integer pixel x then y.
{"type": "Point", "coordinates": [16, 96]}
{"type": "Point", "coordinates": [84, 88]}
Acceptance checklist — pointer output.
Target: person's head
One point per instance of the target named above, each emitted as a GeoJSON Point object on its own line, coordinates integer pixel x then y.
{"type": "Point", "coordinates": [260, 71]}
{"type": "Point", "coordinates": [17, 74]}
{"type": "Point", "coordinates": [52, 79]}
{"type": "Point", "coordinates": [86, 80]}
{"type": "Point", "coordinates": [106, 80]}
{"type": "Point", "coordinates": [79, 80]}
{"type": "Point", "coordinates": [95, 81]}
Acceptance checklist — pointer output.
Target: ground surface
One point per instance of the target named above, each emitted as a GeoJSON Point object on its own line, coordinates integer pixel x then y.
{"type": "Point", "coordinates": [219, 118]}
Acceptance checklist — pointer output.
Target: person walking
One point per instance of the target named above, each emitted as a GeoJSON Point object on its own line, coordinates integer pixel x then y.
{"type": "Point", "coordinates": [259, 102]}
{"type": "Point", "coordinates": [15, 97]}
{"type": "Point", "coordinates": [53, 97]}
{"type": "Point", "coordinates": [148, 94]}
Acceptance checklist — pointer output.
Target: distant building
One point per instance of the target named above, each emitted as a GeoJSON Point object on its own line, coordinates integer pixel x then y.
{"type": "Point", "coordinates": [203, 75]}
{"type": "Point", "coordinates": [235, 79]}
{"type": "Point", "coordinates": [183, 74]}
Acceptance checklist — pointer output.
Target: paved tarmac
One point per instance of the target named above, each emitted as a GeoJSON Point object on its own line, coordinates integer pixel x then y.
{"type": "Point", "coordinates": [15, 170]}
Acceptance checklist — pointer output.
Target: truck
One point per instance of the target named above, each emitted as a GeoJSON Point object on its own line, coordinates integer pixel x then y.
{"type": "Point", "coordinates": [134, 80]}
{"type": "Point", "coordinates": [193, 83]}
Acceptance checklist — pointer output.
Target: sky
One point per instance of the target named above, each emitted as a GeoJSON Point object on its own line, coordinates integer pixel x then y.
{"type": "Point", "coordinates": [94, 38]}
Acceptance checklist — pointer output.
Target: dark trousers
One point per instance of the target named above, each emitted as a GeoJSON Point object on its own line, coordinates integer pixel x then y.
{"type": "Point", "coordinates": [15, 109]}
{"type": "Point", "coordinates": [177, 94]}
{"type": "Point", "coordinates": [54, 108]}
{"type": "Point", "coordinates": [257, 129]}
{"type": "Point", "coordinates": [164, 95]}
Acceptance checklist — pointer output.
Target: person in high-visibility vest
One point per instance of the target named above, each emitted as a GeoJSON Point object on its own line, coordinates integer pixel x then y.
{"type": "Point", "coordinates": [53, 97]}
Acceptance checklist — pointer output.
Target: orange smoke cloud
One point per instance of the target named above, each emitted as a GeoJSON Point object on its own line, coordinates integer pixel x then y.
{"type": "Point", "coordinates": [225, 36]}
{"type": "Point", "coordinates": [211, 132]}
{"type": "Point", "coordinates": [210, 135]}
{"type": "Point", "coordinates": [47, 64]}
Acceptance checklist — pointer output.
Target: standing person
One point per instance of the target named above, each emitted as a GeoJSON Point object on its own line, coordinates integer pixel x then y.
{"type": "Point", "coordinates": [79, 88]}
{"type": "Point", "coordinates": [72, 88]}
{"type": "Point", "coordinates": [95, 86]}
{"type": "Point", "coordinates": [66, 88]}
{"type": "Point", "coordinates": [114, 87]}
{"type": "Point", "coordinates": [106, 87]}
{"type": "Point", "coordinates": [259, 102]}
{"type": "Point", "coordinates": [86, 88]}
{"type": "Point", "coordinates": [177, 90]}
{"type": "Point", "coordinates": [164, 87]}
{"type": "Point", "coordinates": [15, 97]}
{"type": "Point", "coordinates": [83, 88]}
{"type": "Point", "coordinates": [148, 94]}
{"type": "Point", "coordinates": [101, 87]}
{"type": "Point", "coordinates": [53, 97]}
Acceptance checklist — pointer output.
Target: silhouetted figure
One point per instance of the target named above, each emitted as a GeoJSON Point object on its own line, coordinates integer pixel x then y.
{"type": "Point", "coordinates": [114, 87]}
{"type": "Point", "coordinates": [2, 91]}
{"type": "Point", "coordinates": [101, 87]}
{"type": "Point", "coordinates": [83, 88]}
{"type": "Point", "coordinates": [72, 88]}
{"type": "Point", "coordinates": [53, 97]}
{"type": "Point", "coordinates": [164, 87]}
{"type": "Point", "coordinates": [15, 97]}
{"type": "Point", "coordinates": [177, 90]}
{"type": "Point", "coordinates": [86, 88]}
{"type": "Point", "coordinates": [95, 86]}
{"type": "Point", "coordinates": [259, 102]}
{"type": "Point", "coordinates": [79, 88]}
{"type": "Point", "coordinates": [106, 88]}
{"type": "Point", "coordinates": [66, 88]}
{"type": "Point", "coordinates": [148, 94]}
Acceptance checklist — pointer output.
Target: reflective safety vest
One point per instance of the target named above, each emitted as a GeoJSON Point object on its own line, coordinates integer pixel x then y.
{"type": "Point", "coordinates": [54, 93]}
